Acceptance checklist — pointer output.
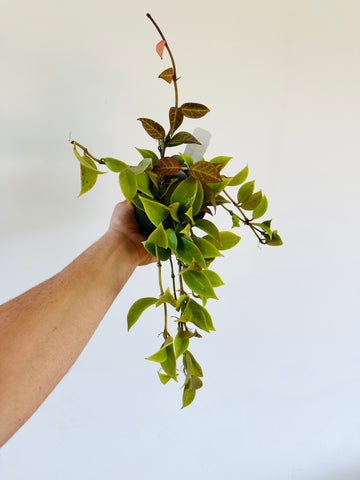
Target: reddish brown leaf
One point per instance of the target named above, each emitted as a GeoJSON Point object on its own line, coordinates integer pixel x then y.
{"type": "Point", "coordinates": [155, 130]}
{"type": "Point", "coordinates": [205, 172]}
{"type": "Point", "coordinates": [167, 166]}
{"type": "Point", "coordinates": [219, 166]}
{"type": "Point", "coordinates": [194, 110]}
{"type": "Point", "coordinates": [176, 118]}
{"type": "Point", "coordinates": [182, 137]}
{"type": "Point", "coordinates": [167, 75]}
{"type": "Point", "coordinates": [206, 210]}
{"type": "Point", "coordinates": [209, 195]}
{"type": "Point", "coordinates": [160, 48]}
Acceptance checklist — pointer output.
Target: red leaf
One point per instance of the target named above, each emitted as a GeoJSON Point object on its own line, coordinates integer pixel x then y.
{"type": "Point", "coordinates": [167, 166]}
{"type": "Point", "coordinates": [155, 130]}
{"type": "Point", "coordinates": [209, 195]}
{"type": "Point", "coordinates": [176, 117]}
{"type": "Point", "coordinates": [160, 48]}
{"type": "Point", "coordinates": [182, 137]}
{"type": "Point", "coordinates": [205, 172]}
{"type": "Point", "coordinates": [167, 75]}
{"type": "Point", "coordinates": [194, 110]}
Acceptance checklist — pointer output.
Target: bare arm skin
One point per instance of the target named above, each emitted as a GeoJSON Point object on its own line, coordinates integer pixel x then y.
{"type": "Point", "coordinates": [44, 330]}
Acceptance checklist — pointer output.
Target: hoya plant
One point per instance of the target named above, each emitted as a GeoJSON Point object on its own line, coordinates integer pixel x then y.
{"type": "Point", "coordinates": [176, 200]}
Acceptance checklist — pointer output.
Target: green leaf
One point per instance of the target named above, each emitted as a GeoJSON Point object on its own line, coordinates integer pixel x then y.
{"type": "Point", "coordinates": [214, 278]}
{"type": "Point", "coordinates": [195, 314]}
{"type": "Point", "coordinates": [143, 165]}
{"type": "Point", "coordinates": [181, 343]}
{"type": "Point", "coordinates": [143, 184]}
{"type": "Point", "coordinates": [208, 227]}
{"type": "Point", "coordinates": [152, 128]}
{"type": "Point", "coordinates": [167, 166]}
{"type": "Point", "coordinates": [163, 378]}
{"type": "Point", "coordinates": [199, 283]}
{"type": "Point", "coordinates": [207, 249]}
{"type": "Point", "coordinates": [195, 383]}
{"type": "Point", "coordinates": [187, 251]}
{"type": "Point", "coordinates": [194, 110]}
{"type": "Point", "coordinates": [87, 176]}
{"type": "Point", "coordinates": [235, 220]}
{"type": "Point", "coordinates": [85, 161]}
{"type": "Point", "coordinates": [115, 165]}
{"type": "Point", "coordinates": [240, 177]}
{"type": "Point", "coordinates": [167, 75]}
{"type": "Point", "coordinates": [188, 397]}
{"type": "Point", "coordinates": [164, 254]}
{"type": "Point", "coordinates": [172, 239]}
{"type": "Point", "coordinates": [128, 184]}
{"type": "Point", "coordinates": [260, 210]}
{"type": "Point", "coordinates": [159, 356]}
{"type": "Point", "coordinates": [275, 240]}
{"type": "Point", "coordinates": [182, 137]}
{"type": "Point", "coordinates": [253, 201]}
{"type": "Point", "coordinates": [180, 300]}
{"type": "Point", "coordinates": [173, 209]}
{"type": "Point", "coordinates": [266, 226]}
{"type": "Point", "coordinates": [199, 199]}
{"type": "Point", "coordinates": [159, 237]}
{"type": "Point", "coordinates": [221, 160]}
{"type": "Point", "coordinates": [189, 216]}
{"type": "Point", "coordinates": [137, 309]}
{"type": "Point", "coordinates": [169, 365]}
{"type": "Point", "coordinates": [227, 240]}
{"type": "Point", "coordinates": [185, 192]}
{"type": "Point", "coordinates": [219, 187]}
{"type": "Point", "coordinates": [167, 297]}
{"type": "Point", "coordinates": [148, 154]}
{"type": "Point", "coordinates": [176, 118]}
{"type": "Point", "coordinates": [196, 370]}
{"type": "Point", "coordinates": [157, 212]}
{"type": "Point", "coordinates": [200, 316]}
{"type": "Point", "coordinates": [245, 191]}
{"type": "Point", "coordinates": [205, 172]}
{"type": "Point", "coordinates": [187, 159]}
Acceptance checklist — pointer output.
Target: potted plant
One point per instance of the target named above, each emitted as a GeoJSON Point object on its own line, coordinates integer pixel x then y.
{"type": "Point", "coordinates": [172, 194]}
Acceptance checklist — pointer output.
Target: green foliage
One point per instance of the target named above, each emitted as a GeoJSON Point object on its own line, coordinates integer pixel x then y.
{"type": "Point", "coordinates": [128, 184]}
{"type": "Point", "coordinates": [137, 309]}
{"type": "Point", "coordinates": [174, 193]}
{"type": "Point", "coordinates": [87, 175]}
{"type": "Point", "coordinates": [245, 191]}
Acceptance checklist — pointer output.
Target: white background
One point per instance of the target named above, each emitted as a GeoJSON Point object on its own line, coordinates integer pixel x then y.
{"type": "Point", "coordinates": [281, 395]}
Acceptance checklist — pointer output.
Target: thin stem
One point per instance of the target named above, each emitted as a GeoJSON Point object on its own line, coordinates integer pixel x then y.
{"type": "Point", "coordinates": [171, 57]}
{"type": "Point", "coordinates": [86, 152]}
{"type": "Point", "coordinates": [163, 144]}
{"type": "Point", "coordinates": [182, 291]}
{"type": "Point", "coordinates": [173, 277]}
{"type": "Point", "coordinates": [246, 220]}
{"type": "Point", "coordinates": [165, 333]}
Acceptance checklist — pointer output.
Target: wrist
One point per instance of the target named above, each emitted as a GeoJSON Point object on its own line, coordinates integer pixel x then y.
{"type": "Point", "coordinates": [126, 251]}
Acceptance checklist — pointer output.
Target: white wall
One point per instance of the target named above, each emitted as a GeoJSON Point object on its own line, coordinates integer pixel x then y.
{"type": "Point", "coordinates": [281, 395]}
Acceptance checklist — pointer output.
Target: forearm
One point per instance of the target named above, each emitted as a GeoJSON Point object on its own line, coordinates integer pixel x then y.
{"type": "Point", "coordinates": [43, 331]}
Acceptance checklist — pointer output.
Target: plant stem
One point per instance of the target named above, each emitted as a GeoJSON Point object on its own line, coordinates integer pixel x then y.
{"type": "Point", "coordinates": [165, 332]}
{"type": "Point", "coordinates": [171, 57]}
{"type": "Point", "coordinates": [162, 147]}
{"type": "Point", "coordinates": [173, 277]}
{"type": "Point", "coordinates": [86, 152]}
{"type": "Point", "coordinates": [182, 291]}
{"type": "Point", "coordinates": [246, 220]}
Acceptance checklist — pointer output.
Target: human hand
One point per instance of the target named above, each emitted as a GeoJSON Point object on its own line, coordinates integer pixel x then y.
{"type": "Point", "coordinates": [123, 222]}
